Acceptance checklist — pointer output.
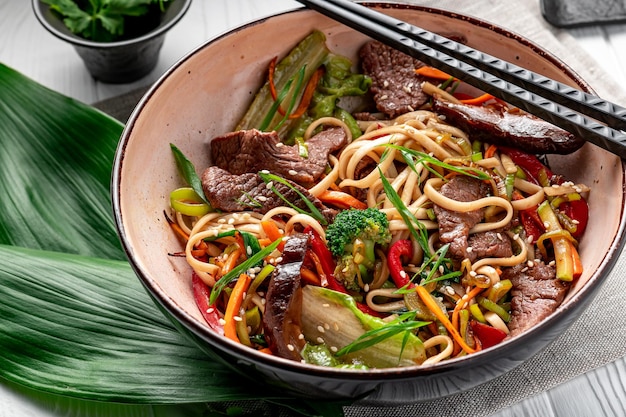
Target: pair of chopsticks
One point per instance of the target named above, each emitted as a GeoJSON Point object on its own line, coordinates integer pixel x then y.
{"type": "Point", "coordinates": [588, 116]}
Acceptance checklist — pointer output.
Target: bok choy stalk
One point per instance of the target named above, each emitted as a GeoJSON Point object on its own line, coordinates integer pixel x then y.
{"type": "Point", "coordinates": [310, 53]}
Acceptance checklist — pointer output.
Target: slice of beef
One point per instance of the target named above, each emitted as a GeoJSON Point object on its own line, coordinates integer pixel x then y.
{"type": "Point", "coordinates": [247, 151]}
{"type": "Point", "coordinates": [248, 192]}
{"type": "Point", "coordinates": [517, 129]}
{"type": "Point", "coordinates": [489, 244]}
{"type": "Point", "coordinates": [536, 294]}
{"type": "Point", "coordinates": [283, 307]}
{"type": "Point", "coordinates": [454, 226]}
{"type": "Point", "coordinates": [395, 85]}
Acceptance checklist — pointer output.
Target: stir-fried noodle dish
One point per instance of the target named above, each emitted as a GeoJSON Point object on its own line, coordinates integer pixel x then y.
{"type": "Point", "coordinates": [377, 213]}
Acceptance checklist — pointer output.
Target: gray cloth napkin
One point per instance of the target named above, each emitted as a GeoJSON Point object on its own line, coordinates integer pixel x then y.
{"type": "Point", "coordinates": [602, 325]}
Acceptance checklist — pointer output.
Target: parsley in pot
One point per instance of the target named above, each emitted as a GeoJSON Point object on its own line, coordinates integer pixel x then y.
{"type": "Point", "coordinates": [109, 20]}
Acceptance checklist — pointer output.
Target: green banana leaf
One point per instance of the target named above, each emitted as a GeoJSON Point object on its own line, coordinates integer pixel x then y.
{"type": "Point", "coordinates": [76, 326]}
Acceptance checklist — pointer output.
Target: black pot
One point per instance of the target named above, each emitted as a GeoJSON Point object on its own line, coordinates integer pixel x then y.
{"type": "Point", "coordinates": [120, 61]}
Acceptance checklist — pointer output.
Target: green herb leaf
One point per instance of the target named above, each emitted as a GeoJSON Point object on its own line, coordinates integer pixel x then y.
{"type": "Point", "coordinates": [403, 324]}
{"type": "Point", "coordinates": [314, 211]}
{"type": "Point", "coordinates": [242, 268]}
{"type": "Point", "coordinates": [408, 217]}
{"type": "Point", "coordinates": [188, 171]}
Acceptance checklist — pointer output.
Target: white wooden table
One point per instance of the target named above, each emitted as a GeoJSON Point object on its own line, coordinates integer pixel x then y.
{"type": "Point", "coordinates": [28, 48]}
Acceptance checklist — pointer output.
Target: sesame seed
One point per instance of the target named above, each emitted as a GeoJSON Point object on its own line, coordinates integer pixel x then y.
{"type": "Point", "coordinates": [293, 172]}
{"type": "Point", "coordinates": [279, 144]}
{"type": "Point", "coordinates": [221, 220]}
{"type": "Point", "coordinates": [546, 224]}
{"type": "Point", "coordinates": [248, 250]}
{"type": "Point", "coordinates": [279, 259]}
{"type": "Point", "coordinates": [385, 83]}
{"type": "Point", "coordinates": [336, 326]}
{"type": "Point", "coordinates": [403, 274]}
{"type": "Point", "coordinates": [264, 171]}
{"type": "Point", "coordinates": [290, 347]}
{"type": "Point", "coordinates": [530, 264]}
{"type": "Point", "coordinates": [263, 301]}
{"type": "Point", "coordinates": [301, 336]}
{"type": "Point", "coordinates": [529, 239]}
{"type": "Point", "coordinates": [237, 318]}
{"type": "Point", "coordinates": [515, 236]}
{"type": "Point", "coordinates": [449, 290]}
{"type": "Point", "coordinates": [366, 287]}
{"type": "Point", "coordinates": [499, 235]}
{"type": "Point", "coordinates": [326, 326]}
{"type": "Point", "coordinates": [333, 349]}
{"type": "Point", "coordinates": [384, 97]}
{"type": "Point", "coordinates": [441, 269]}
{"type": "Point", "coordinates": [325, 305]}
{"type": "Point", "coordinates": [575, 221]}
{"type": "Point", "coordinates": [231, 221]}
{"type": "Point", "coordinates": [320, 340]}
{"type": "Point", "coordinates": [222, 321]}
{"type": "Point", "coordinates": [469, 249]}
{"type": "Point", "coordinates": [210, 310]}
{"type": "Point", "coordinates": [472, 273]}
{"type": "Point", "coordinates": [525, 269]}
{"type": "Point", "coordinates": [407, 88]}
{"type": "Point", "coordinates": [320, 329]}
{"type": "Point", "coordinates": [269, 185]}
{"type": "Point", "coordinates": [552, 263]}
{"type": "Point", "coordinates": [410, 108]}
{"type": "Point", "coordinates": [262, 198]}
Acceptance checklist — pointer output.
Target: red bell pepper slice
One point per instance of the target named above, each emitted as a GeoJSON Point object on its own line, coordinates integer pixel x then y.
{"type": "Point", "coordinates": [202, 294]}
{"type": "Point", "coordinates": [399, 249]}
{"type": "Point", "coordinates": [487, 335]}
{"type": "Point", "coordinates": [328, 266]}
{"type": "Point", "coordinates": [577, 210]}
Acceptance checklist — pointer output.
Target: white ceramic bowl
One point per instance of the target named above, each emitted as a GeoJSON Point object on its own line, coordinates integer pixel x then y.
{"type": "Point", "coordinates": [205, 94]}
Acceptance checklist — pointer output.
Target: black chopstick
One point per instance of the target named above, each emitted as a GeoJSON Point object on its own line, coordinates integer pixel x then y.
{"type": "Point", "coordinates": [548, 99]}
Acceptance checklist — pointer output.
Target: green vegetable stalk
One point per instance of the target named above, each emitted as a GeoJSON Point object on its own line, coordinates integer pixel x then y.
{"type": "Point", "coordinates": [310, 53]}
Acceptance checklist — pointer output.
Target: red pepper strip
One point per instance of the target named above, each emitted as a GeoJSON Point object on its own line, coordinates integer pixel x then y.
{"type": "Point", "coordinates": [270, 78]}
{"type": "Point", "coordinates": [201, 293]}
{"type": "Point", "coordinates": [394, 261]}
{"type": "Point", "coordinates": [487, 335]}
{"type": "Point", "coordinates": [307, 96]}
{"type": "Point", "coordinates": [328, 265]}
{"type": "Point", "coordinates": [577, 210]}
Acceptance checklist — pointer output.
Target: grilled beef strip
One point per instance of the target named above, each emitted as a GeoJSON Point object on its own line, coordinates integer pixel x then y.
{"type": "Point", "coordinates": [510, 128]}
{"type": "Point", "coordinates": [247, 151]}
{"type": "Point", "coordinates": [283, 307]}
{"type": "Point", "coordinates": [536, 294]}
{"type": "Point", "coordinates": [396, 88]}
{"type": "Point", "coordinates": [248, 192]}
{"type": "Point", "coordinates": [454, 226]}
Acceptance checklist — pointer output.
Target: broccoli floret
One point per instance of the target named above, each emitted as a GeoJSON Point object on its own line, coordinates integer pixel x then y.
{"type": "Point", "coordinates": [352, 238]}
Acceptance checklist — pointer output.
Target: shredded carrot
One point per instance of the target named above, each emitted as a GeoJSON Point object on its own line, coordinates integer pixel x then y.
{"type": "Point", "coordinates": [231, 261]}
{"type": "Point", "coordinates": [270, 78]}
{"type": "Point", "coordinates": [201, 246]}
{"type": "Point", "coordinates": [442, 317]}
{"type": "Point", "coordinates": [478, 100]}
{"type": "Point", "coordinates": [491, 151]}
{"type": "Point", "coordinates": [578, 265]}
{"type": "Point", "coordinates": [462, 302]}
{"type": "Point", "coordinates": [273, 232]}
{"type": "Point", "coordinates": [323, 279]}
{"type": "Point", "coordinates": [432, 72]}
{"type": "Point", "coordinates": [234, 304]}
{"type": "Point", "coordinates": [341, 199]}
{"type": "Point", "coordinates": [266, 350]}
{"type": "Point", "coordinates": [310, 277]}
{"type": "Point", "coordinates": [307, 96]}
{"type": "Point", "coordinates": [264, 241]}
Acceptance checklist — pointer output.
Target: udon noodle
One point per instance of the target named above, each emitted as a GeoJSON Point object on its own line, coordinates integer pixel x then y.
{"type": "Point", "coordinates": [453, 299]}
